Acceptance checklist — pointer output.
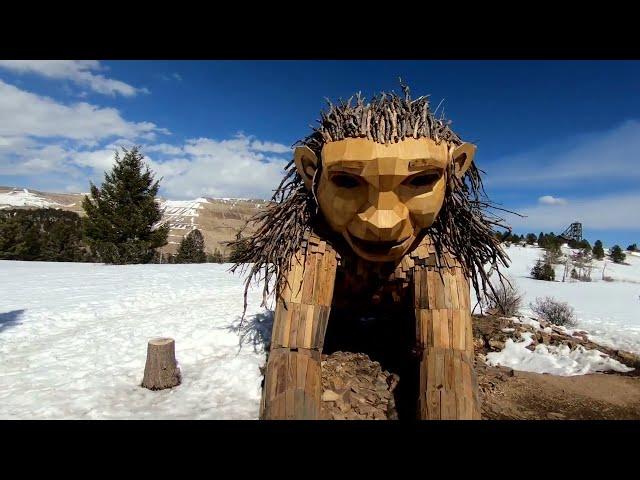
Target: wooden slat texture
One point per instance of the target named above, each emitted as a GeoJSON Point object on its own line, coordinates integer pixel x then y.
{"type": "Point", "coordinates": [441, 300]}
{"type": "Point", "coordinates": [448, 386]}
{"type": "Point", "coordinates": [292, 380]}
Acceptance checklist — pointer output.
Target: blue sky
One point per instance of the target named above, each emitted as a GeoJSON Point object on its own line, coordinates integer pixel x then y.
{"type": "Point", "coordinates": [558, 139]}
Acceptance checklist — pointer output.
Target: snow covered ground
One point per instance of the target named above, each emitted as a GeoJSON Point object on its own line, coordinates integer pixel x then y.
{"type": "Point", "coordinates": [609, 311]}
{"type": "Point", "coordinates": [73, 341]}
{"type": "Point", "coordinates": [73, 336]}
{"type": "Point", "coordinates": [556, 360]}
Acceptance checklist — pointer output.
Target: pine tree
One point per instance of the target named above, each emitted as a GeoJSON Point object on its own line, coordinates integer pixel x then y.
{"type": "Point", "coordinates": [216, 257]}
{"type": "Point", "coordinates": [191, 248]}
{"type": "Point", "coordinates": [633, 247]}
{"type": "Point", "coordinates": [43, 234]}
{"type": "Point", "coordinates": [536, 271]}
{"type": "Point", "coordinates": [543, 271]}
{"type": "Point", "coordinates": [122, 216]}
{"type": "Point", "coordinates": [616, 254]}
{"type": "Point", "coordinates": [531, 238]}
{"type": "Point", "coordinates": [598, 251]}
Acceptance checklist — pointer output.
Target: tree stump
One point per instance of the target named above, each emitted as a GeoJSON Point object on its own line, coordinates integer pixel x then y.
{"type": "Point", "coordinates": [161, 370]}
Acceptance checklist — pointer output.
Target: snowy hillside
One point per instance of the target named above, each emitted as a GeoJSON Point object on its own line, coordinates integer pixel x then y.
{"type": "Point", "coordinates": [181, 214]}
{"type": "Point", "coordinates": [25, 198]}
{"type": "Point", "coordinates": [609, 311]}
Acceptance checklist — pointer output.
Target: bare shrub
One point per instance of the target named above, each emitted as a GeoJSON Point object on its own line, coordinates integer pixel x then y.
{"type": "Point", "coordinates": [552, 254]}
{"type": "Point", "coordinates": [505, 300]}
{"type": "Point", "coordinates": [554, 311]}
{"type": "Point", "coordinates": [582, 262]}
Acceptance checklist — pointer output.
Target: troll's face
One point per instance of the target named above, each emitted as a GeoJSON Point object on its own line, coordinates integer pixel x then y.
{"type": "Point", "coordinates": [379, 197]}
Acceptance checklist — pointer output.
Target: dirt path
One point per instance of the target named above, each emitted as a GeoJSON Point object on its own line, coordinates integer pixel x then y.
{"type": "Point", "coordinates": [515, 395]}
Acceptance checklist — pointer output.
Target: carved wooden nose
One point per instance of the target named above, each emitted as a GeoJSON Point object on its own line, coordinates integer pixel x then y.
{"type": "Point", "coordinates": [383, 224]}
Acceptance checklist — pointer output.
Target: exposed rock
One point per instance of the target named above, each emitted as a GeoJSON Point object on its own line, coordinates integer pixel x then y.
{"type": "Point", "coordinates": [478, 343]}
{"type": "Point", "coordinates": [356, 388]}
{"type": "Point", "coordinates": [490, 334]}
{"type": "Point", "coordinates": [330, 396]}
{"type": "Point", "coordinates": [628, 358]}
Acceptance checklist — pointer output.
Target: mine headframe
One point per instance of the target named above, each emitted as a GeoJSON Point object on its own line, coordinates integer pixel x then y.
{"type": "Point", "coordinates": [573, 232]}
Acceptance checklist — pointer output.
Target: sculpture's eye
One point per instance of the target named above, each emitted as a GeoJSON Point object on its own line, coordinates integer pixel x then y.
{"type": "Point", "coordinates": [344, 180]}
{"type": "Point", "coordinates": [423, 179]}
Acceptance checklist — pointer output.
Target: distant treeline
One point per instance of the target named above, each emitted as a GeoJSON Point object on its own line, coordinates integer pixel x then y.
{"type": "Point", "coordinates": [551, 242]}
{"type": "Point", "coordinates": [50, 235]}
{"type": "Point", "coordinates": [543, 240]}
{"type": "Point", "coordinates": [44, 234]}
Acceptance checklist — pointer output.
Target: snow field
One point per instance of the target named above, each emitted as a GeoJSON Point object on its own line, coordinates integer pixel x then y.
{"type": "Point", "coordinates": [73, 341]}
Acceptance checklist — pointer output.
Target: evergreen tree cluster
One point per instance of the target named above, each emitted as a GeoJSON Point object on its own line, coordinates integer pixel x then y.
{"type": "Point", "coordinates": [581, 245]}
{"type": "Point", "coordinates": [544, 240]}
{"type": "Point", "coordinates": [543, 271]}
{"type": "Point", "coordinates": [215, 257]}
{"type": "Point", "coordinates": [633, 247]}
{"type": "Point", "coordinates": [122, 224]}
{"type": "Point", "coordinates": [191, 249]}
{"type": "Point", "coordinates": [549, 240]}
{"type": "Point", "coordinates": [44, 234]}
{"type": "Point", "coordinates": [616, 254]}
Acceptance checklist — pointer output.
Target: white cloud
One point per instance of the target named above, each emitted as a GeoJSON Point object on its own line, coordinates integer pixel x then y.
{"type": "Point", "coordinates": [202, 167]}
{"type": "Point", "coordinates": [24, 113]}
{"type": "Point", "coordinates": [65, 145]}
{"type": "Point", "coordinates": [619, 211]}
{"type": "Point", "coordinates": [602, 156]}
{"type": "Point", "coordinates": [551, 200]}
{"type": "Point", "coordinates": [80, 72]}
{"type": "Point", "coordinates": [269, 147]}
{"type": "Point", "coordinates": [164, 148]}
{"type": "Point", "coordinates": [236, 167]}
{"type": "Point", "coordinates": [99, 160]}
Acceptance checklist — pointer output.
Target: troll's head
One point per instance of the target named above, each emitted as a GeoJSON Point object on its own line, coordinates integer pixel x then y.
{"type": "Point", "coordinates": [381, 196]}
{"type": "Point", "coordinates": [380, 174]}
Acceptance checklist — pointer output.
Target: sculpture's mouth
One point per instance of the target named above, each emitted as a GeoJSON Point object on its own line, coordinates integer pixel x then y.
{"type": "Point", "coordinates": [379, 250]}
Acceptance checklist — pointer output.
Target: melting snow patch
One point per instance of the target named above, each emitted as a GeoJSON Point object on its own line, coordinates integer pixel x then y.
{"type": "Point", "coordinates": [559, 360]}
{"type": "Point", "coordinates": [527, 321]}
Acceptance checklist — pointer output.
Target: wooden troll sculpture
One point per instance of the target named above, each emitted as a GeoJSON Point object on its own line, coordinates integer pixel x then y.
{"type": "Point", "coordinates": [381, 205]}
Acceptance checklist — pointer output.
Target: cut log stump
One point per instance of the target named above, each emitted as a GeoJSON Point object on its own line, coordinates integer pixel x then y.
{"type": "Point", "coordinates": [161, 370]}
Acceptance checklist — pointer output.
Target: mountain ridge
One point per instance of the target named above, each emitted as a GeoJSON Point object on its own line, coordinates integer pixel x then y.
{"type": "Point", "coordinates": [219, 219]}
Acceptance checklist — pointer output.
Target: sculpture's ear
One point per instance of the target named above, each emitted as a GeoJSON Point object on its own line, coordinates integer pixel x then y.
{"type": "Point", "coordinates": [306, 164]}
{"type": "Point", "coordinates": [462, 157]}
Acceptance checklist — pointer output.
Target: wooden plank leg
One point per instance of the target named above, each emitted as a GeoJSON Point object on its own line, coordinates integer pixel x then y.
{"type": "Point", "coordinates": [448, 383]}
{"type": "Point", "coordinates": [293, 381]}
{"type": "Point", "coordinates": [292, 389]}
{"type": "Point", "coordinates": [448, 386]}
